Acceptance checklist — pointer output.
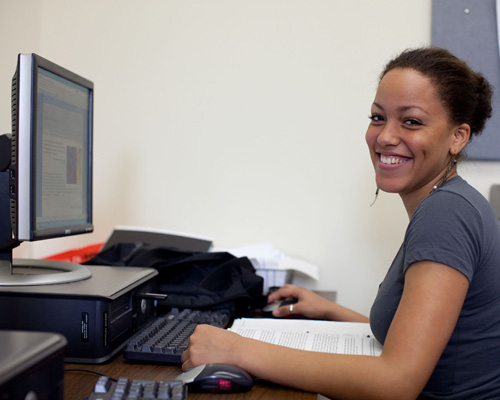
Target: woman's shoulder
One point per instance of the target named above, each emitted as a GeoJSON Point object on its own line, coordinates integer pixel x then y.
{"type": "Point", "coordinates": [455, 206]}
{"type": "Point", "coordinates": [455, 194]}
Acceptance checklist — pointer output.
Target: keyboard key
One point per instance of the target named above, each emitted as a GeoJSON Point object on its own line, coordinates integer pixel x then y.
{"type": "Point", "coordinates": [102, 385]}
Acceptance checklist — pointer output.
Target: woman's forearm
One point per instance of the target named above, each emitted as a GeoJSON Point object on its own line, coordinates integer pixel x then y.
{"type": "Point", "coordinates": [341, 313]}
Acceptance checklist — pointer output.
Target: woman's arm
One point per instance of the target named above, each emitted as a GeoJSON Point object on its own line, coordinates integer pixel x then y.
{"type": "Point", "coordinates": [432, 299]}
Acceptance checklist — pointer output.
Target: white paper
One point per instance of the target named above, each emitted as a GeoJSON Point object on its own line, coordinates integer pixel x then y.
{"type": "Point", "coordinates": [313, 335]}
{"type": "Point", "coordinates": [294, 264]}
{"type": "Point", "coordinates": [265, 256]}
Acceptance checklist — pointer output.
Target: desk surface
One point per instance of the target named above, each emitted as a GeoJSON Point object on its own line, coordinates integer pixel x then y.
{"type": "Point", "coordinates": [78, 383]}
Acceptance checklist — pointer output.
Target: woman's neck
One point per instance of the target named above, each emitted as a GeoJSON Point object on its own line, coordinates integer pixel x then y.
{"type": "Point", "coordinates": [413, 199]}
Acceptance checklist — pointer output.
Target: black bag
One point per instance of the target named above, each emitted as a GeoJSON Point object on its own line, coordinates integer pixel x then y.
{"type": "Point", "coordinates": [193, 280]}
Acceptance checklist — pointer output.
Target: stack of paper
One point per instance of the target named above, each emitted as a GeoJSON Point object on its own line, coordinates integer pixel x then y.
{"type": "Point", "coordinates": [322, 336]}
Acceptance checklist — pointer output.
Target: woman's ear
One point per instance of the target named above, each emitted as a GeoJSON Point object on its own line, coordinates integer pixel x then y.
{"type": "Point", "coordinates": [461, 138]}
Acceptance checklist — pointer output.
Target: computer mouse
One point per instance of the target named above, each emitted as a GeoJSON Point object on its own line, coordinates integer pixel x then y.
{"type": "Point", "coordinates": [269, 308]}
{"type": "Point", "coordinates": [216, 378]}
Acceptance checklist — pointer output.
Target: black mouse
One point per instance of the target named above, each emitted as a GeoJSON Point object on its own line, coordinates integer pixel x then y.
{"type": "Point", "coordinates": [268, 309]}
{"type": "Point", "coordinates": [217, 378]}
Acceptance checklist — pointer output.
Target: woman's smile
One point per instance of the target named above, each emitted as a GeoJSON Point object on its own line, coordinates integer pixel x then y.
{"type": "Point", "coordinates": [393, 160]}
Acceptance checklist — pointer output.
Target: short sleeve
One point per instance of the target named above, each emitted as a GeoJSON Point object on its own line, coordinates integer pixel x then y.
{"type": "Point", "coordinates": [449, 235]}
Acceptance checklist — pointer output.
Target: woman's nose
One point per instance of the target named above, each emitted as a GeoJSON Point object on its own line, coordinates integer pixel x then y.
{"type": "Point", "coordinates": [388, 135]}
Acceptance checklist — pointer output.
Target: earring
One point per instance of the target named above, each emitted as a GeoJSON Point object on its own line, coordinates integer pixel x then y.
{"type": "Point", "coordinates": [376, 195]}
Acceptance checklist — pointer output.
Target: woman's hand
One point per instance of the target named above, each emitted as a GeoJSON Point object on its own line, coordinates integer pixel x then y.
{"type": "Point", "coordinates": [209, 344]}
{"type": "Point", "coordinates": [309, 304]}
{"type": "Point", "coordinates": [312, 305]}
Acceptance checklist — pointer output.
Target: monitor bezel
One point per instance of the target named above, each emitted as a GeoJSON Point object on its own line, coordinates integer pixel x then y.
{"type": "Point", "coordinates": [23, 210]}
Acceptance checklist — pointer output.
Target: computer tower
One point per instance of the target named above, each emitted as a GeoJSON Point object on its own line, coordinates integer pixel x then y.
{"type": "Point", "coordinates": [96, 316]}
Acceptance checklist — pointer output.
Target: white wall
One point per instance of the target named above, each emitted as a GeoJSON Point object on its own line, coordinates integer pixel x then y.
{"type": "Point", "coordinates": [243, 120]}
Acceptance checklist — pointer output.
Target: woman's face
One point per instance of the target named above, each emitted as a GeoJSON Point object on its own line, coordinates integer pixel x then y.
{"type": "Point", "coordinates": [409, 136]}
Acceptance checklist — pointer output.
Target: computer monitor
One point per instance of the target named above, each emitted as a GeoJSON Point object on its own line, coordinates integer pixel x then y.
{"type": "Point", "coordinates": [50, 175]}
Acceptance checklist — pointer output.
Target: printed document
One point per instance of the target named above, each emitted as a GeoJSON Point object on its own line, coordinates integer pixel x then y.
{"type": "Point", "coordinates": [321, 336]}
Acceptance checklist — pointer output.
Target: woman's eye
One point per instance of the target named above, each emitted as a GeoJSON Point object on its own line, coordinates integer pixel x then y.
{"type": "Point", "coordinates": [412, 122]}
{"type": "Point", "coordinates": [376, 118]}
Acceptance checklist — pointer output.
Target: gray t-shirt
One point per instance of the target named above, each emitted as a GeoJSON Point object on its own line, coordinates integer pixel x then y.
{"type": "Point", "coordinates": [455, 226]}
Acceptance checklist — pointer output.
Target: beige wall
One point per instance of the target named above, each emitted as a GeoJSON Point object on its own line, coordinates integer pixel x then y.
{"type": "Point", "coordinates": [243, 120]}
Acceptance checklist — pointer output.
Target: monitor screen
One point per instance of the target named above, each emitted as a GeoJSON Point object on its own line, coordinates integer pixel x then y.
{"type": "Point", "coordinates": [51, 165]}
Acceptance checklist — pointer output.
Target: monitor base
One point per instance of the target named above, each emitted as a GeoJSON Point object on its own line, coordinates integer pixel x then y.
{"type": "Point", "coordinates": [27, 272]}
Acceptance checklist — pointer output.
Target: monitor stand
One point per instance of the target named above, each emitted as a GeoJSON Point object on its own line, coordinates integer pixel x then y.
{"type": "Point", "coordinates": [25, 272]}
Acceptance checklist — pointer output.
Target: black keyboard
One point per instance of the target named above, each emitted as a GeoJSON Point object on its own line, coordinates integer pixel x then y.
{"type": "Point", "coordinates": [126, 389]}
{"type": "Point", "coordinates": [167, 336]}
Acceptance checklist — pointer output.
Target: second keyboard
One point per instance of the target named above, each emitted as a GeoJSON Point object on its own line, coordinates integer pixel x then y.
{"type": "Point", "coordinates": [166, 337]}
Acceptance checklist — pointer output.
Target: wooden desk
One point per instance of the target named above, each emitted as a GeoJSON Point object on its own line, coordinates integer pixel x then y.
{"type": "Point", "coordinates": [78, 384]}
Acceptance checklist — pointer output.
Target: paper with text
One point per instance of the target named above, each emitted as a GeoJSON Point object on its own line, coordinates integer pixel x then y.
{"type": "Point", "coordinates": [313, 335]}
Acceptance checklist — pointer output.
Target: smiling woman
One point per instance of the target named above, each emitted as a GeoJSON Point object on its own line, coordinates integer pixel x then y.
{"type": "Point", "coordinates": [428, 104]}
{"type": "Point", "coordinates": [412, 142]}
{"type": "Point", "coordinates": [437, 311]}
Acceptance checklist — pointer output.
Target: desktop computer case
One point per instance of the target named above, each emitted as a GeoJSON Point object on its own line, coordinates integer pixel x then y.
{"type": "Point", "coordinates": [96, 316]}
